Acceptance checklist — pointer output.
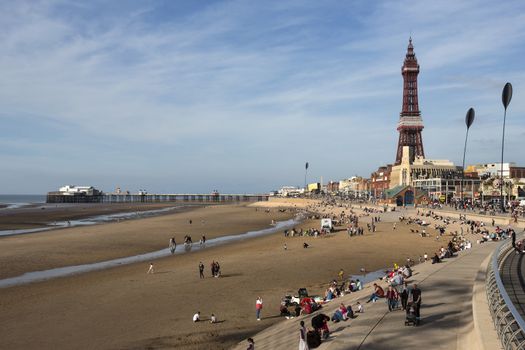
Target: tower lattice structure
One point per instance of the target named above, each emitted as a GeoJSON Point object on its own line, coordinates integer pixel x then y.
{"type": "Point", "coordinates": [410, 123]}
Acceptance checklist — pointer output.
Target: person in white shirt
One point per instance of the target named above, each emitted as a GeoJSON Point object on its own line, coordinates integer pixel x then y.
{"type": "Point", "coordinates": [213, 319]}
{"type": "Point", "coordinates": [197, 317]}
{"type": "Point", "coordinates": [360, 308]}
{"type": "Point", "coordinates": [397, 280]}
{"type": "Point", "coordinates": [151, 269]}
{"type": "Point", "coordinates": [358, 285]}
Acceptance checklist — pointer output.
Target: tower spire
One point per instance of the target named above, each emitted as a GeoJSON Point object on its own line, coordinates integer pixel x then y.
{"type": "Point", "coordinates": [410, 123]}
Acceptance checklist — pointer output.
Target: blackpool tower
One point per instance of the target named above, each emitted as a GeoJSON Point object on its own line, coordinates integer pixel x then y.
{"type": "Point", "coordinates": [410, 123]}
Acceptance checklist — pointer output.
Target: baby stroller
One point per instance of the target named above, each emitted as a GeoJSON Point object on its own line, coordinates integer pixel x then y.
{"type": "Point", "coordinates": [411, 318]}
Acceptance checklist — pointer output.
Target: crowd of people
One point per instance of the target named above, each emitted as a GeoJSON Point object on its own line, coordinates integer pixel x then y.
{"type": "Point", "coordinates": [309, 232]}
{"type": "Point", "coordinates": [398, 296]}
{"type": "Point", "coordinates": [512, 208]}
{"type": "Point", "coordinates": [399, 293]}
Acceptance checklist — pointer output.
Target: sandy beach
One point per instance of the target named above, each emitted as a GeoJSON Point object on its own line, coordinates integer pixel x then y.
{"type": "Point", "coordinates": [123, 308]}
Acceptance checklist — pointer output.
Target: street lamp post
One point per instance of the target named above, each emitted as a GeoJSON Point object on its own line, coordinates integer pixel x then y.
{"type": "Point", "coordinates": [305, 173]}
{"type": "Point", "coordinates": [469, 119]}
{"type": "Point", "coordinates": [506, 96]}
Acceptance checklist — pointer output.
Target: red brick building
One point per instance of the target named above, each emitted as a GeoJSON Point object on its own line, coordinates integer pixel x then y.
{"type": "Point", "coordinates": [380, 181]}
{"type": "Point", "coordinates": [332, 186]}
{"type": "Point", "coordinates": [517, 172]}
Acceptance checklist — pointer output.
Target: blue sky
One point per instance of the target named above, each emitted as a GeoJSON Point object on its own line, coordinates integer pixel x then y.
{"type": "Point", "coordinates": [192, 96]}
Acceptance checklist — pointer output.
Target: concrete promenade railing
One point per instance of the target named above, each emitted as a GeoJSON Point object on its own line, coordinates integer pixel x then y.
{"type": "Point", "coordinates": [509, 324]}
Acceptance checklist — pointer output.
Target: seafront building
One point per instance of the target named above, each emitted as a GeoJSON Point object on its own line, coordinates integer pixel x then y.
{"type": "Point", "coordinates": [355, 186]}
{"type": "Point", "coordinates": [333, 186]}
{"type": "Point", "coordinates": [414, 179]}
{"type": "Point", "coordinates": [406, 172]}
{"type": "Point", "coordinates": [380, 181]}
{"type": "Point", "coordinates": [72, 190]}
{"type": "Point", "coordinates": [510, 170]}
{"type": "Point", "coordinates": [290, 191]}
{"type": "Point", "coordinates": [314, 187]}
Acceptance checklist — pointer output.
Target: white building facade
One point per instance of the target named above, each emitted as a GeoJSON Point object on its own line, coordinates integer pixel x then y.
{"type": "Point", "coordinates": [71, 190]}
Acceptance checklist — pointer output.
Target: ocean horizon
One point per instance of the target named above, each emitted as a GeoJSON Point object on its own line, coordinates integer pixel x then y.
{"type": "Point", "coordinates": [22, 198]}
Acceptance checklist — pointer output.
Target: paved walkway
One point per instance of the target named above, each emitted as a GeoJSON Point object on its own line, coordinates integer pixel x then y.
{"type": "Point", "coordinates": [512, 271]}
{"type": "Point", "coordinates": [447, 320]}
{"type": "Point", "coordinates": [446, 310]}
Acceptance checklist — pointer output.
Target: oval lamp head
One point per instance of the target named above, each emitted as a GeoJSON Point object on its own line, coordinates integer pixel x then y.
{"type": "Point", "coordinates": [506, 95]}
{"type": "Point", "coordinates": [469, 119]}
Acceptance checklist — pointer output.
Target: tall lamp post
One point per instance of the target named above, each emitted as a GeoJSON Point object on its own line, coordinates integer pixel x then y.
{"type": "Point", "coordinates": [305, 172]}
{"type": "Point", "coordinates": [469, 119]}
{"type": "Point", "coordinates": [506, 96]}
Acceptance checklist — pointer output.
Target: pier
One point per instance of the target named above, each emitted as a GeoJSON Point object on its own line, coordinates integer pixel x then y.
{"type": "Point", "coordinates": [59, 197]}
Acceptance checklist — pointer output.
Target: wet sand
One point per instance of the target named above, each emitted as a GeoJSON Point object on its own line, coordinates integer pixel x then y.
{"type": "Point", "coordinates": [41, 215]}
{"type": "Point", "coordinates": [123, 308]}
{"type": "Point", "coordinates": [83, 245]}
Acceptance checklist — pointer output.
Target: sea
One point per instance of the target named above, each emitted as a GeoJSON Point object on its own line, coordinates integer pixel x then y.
{"type": "Point", "coordinates": [20, 200]}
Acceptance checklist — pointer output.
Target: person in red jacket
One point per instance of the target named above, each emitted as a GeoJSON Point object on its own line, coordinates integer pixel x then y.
{"type": "Point", "coordinates": [258, 308]}
{"type": "Point", "coordinates": [392, 297]}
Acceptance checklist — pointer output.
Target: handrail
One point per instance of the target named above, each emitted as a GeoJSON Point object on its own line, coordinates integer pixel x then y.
{"type": "Point", "coordinates": [508, 322]}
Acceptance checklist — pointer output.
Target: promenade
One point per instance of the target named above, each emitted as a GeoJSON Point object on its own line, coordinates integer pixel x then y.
{"type": "Point", "coordinates": [512, 277]}
{"type": "Point", "coordinates": [454, 313]}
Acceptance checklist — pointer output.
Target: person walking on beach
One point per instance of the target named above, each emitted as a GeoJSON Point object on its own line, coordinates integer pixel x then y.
{"type": "Point", "coordinates": [217, 269]}
{"type": "Point", "coordinates": [303, 345]}
{"type": "Point", "coordinates": [172, 245]}
{"type": "Point", "coordinates": [201, 270]}
{"type": "Point", "coordinates": [258, 308]}
{"type": "Point", "coordinates": [151, 269]}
